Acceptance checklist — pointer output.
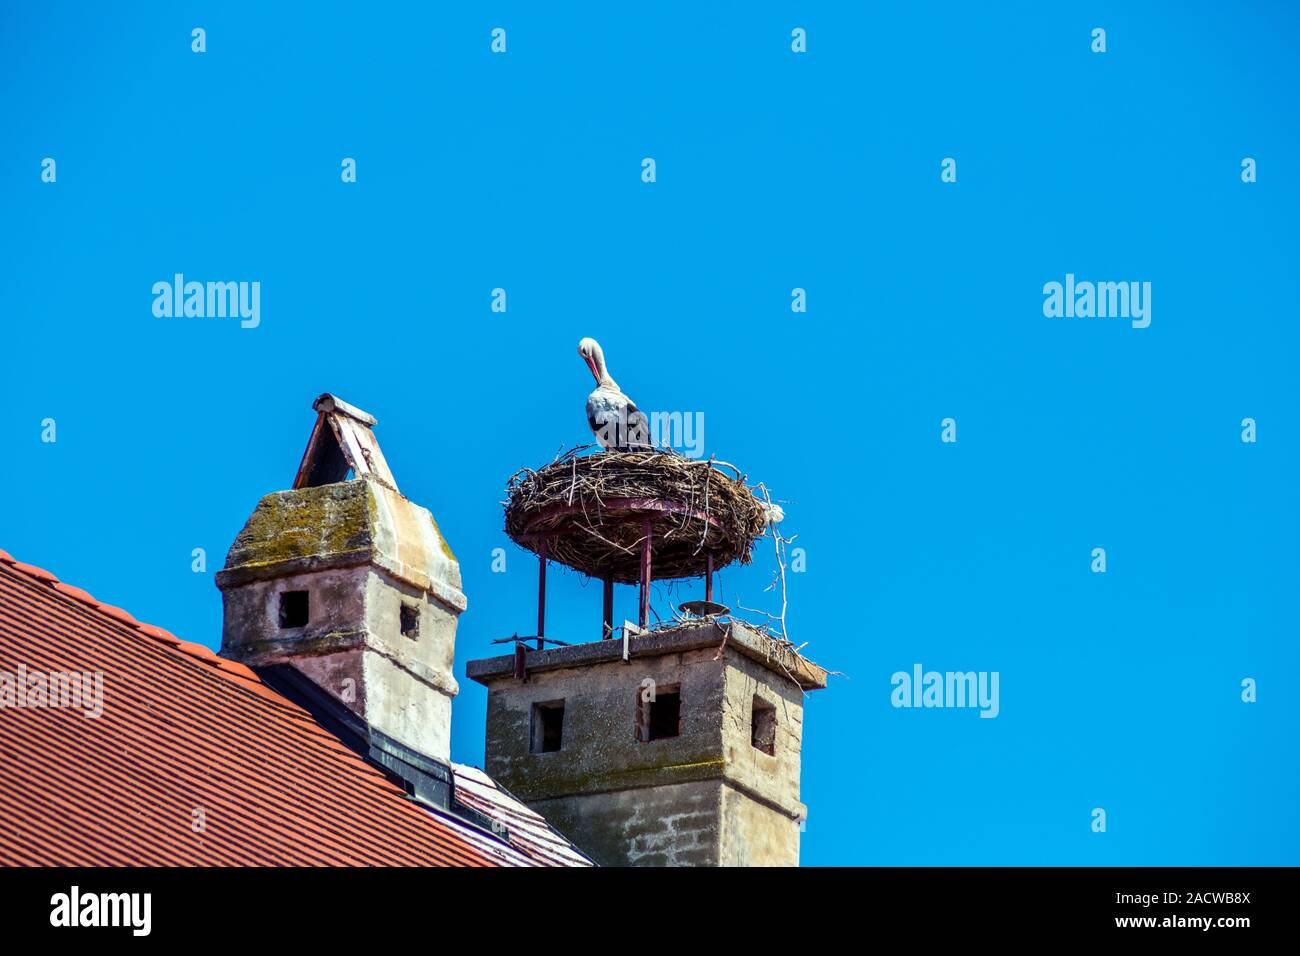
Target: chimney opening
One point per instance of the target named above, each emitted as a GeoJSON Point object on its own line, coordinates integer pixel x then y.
{"type": "Point", "coordinates": [659, 718]}
{"type": "Point", "coordinates": [763, 726]}
{"type": "Point", "coordinates": [410, 621]}
{"type": "Point", "coordinates": [548, 727]}
{"type": "Point", "coordinates": [293, 609]}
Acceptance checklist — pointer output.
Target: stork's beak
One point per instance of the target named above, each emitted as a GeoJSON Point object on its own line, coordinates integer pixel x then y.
{"type": "Point", "coordinates": [590, 353]}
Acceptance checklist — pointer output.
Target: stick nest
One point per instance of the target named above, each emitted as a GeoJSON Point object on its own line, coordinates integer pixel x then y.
{"type": "Point", "coordinates": [591, 511]}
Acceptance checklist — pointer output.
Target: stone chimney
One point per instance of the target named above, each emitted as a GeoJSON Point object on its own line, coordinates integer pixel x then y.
{"type": "Point", "coordinates": [683, 752]}
{"type": "Point", "coordinates": [351, 585]}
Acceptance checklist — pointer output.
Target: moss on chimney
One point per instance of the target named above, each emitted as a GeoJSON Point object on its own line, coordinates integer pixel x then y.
{"type": "Point", "coordinates": [327, 520]}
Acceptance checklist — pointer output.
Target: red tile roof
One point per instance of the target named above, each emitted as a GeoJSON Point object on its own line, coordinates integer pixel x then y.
{"type": "Point", "coordinates": [184, 730]}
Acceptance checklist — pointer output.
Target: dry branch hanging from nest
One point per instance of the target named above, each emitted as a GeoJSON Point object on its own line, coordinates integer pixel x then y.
{"type": "Point", "coordinates": [591, 509]}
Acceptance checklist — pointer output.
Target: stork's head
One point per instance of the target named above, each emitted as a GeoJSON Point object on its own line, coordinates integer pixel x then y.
{"type": "Point", "coordinates": [590, 351]}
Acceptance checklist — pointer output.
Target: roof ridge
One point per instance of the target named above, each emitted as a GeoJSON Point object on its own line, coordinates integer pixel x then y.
{"type": "Point", "coordinates": [236, 673]}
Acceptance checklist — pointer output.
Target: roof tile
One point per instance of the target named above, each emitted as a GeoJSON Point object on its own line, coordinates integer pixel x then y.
{"type": "Point", "coordinates": [194, 761]}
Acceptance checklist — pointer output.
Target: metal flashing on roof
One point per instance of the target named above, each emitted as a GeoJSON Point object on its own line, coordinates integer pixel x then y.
{"type": "Point", "coordinates": [426, 779]}
{"type": "Point", "coordinates": [529, 830]}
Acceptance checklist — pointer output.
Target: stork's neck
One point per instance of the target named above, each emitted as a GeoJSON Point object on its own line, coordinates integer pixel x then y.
{"type": "Point", "coordinates": [603, 378]}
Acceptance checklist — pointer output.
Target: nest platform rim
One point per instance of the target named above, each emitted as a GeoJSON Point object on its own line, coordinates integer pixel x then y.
{"type": "Point", "coordinates": [591, 510]}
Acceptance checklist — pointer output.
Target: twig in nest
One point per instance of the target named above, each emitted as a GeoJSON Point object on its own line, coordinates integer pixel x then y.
{"type": "Point", "coordinates": [591, 510]}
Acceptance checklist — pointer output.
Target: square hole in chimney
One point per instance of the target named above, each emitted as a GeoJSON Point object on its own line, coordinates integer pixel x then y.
{"type": "Point", "coordinates": [293, 609]}
{"type": "Point", "coordinates": [762, 728]}
{"type": "Point", "coordinates": [548, 727]}
{"type": "Point", "coordinates": [410, 621]}
{"type": "Point", "coordinates": [661, 717]}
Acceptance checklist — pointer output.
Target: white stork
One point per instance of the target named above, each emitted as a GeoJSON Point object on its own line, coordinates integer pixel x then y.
{"type": "Point", "coordinates": [613, 417]}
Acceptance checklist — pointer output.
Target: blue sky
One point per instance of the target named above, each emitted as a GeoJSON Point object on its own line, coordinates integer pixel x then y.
{"type": "Point", "coordinates": [775, 170]}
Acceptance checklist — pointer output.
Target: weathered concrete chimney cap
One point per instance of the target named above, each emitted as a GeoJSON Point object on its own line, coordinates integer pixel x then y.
{"type": "Point", "coordinates": [341, 525]}
{"type": "Point", "coordinates": [745, 640]}
{"type": "Point", "coordinates": [326, 521]}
